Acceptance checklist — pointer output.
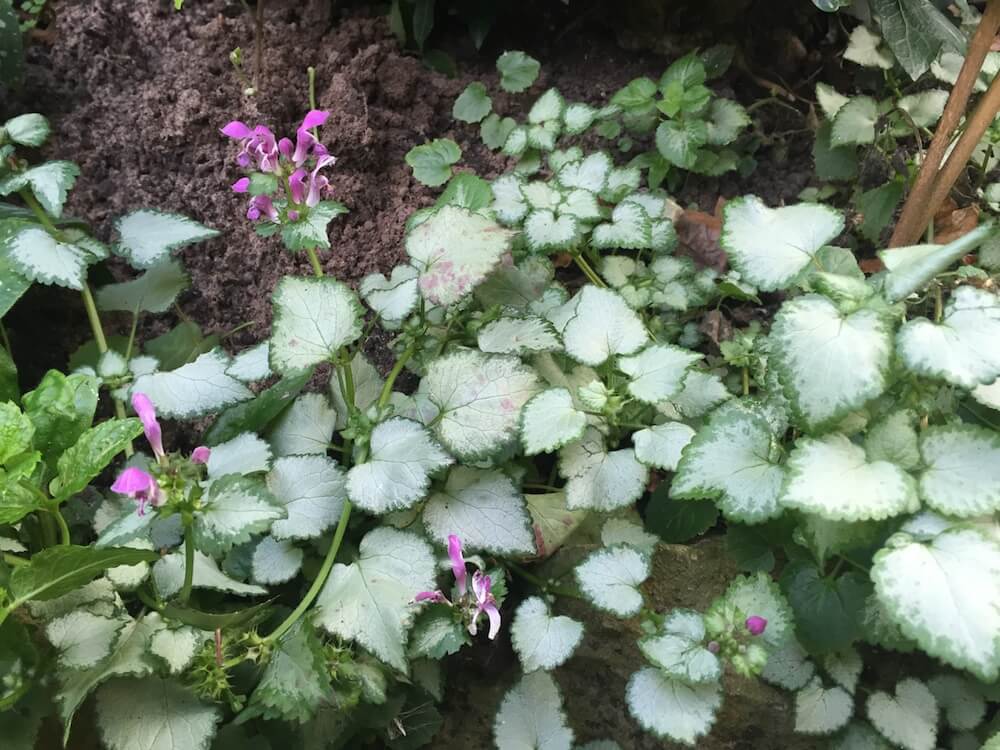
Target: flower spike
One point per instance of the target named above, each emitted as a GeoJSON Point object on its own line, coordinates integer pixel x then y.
{"type": "Point", "coordinates": [139, 485]}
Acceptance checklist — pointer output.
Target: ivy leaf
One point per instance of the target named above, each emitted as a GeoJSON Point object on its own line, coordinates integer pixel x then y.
{"type": "Point", "coordinates": [168, 575]}
{"type": "Point", "coordinates": [517, 71]}
{"type": "Point", "coordinates": [678, 142]}
{"type": "Point", "coordinates": [671, 709]}
{"type": "Point", "coordinates": [392, 299]}
{"type": "Point", "coordinates": [734, 461]}
{"type": "Point", "coordinates": [83, 638]}
{"type": "Point", "coordinates": [304, 428]}
{"type": "Point", "coordinates": [431, 162]}
{"type": "Point", "coordinates": [942, 593]}
{"type": "Point", "coordinates": [657, 372]}
{"type": "Point", "coordinates": [829, 364]}
{"type": "Point", "coordinates": [770, 247]}
{"type": "Point", "coordinates": [479, 398]}
{"type": "Point", "coordinates": [520, 336]}
{"type": "Point", "coordinates": [610, 579]}
{"type": "Point", "coordinates": [147, 237]}
{"type": "Point", "coordinates": [828, 611]}
{"type": "Point", "coordinates": [960, 350]}
{"type": "Point", "coordinates": [473, 104]}
{"type": "Point", "coordinates": [153, 714]}
{"type": "Point", "coordinates": [531, 716]}
{"type": "Point", "coordinates": [193, 389]}
{"type": "Point", "coordinates": [397, 474]}
{"type": "Point", "coordinates": [831, 477]}
{"type": "Point", "coordinates": [484, 509]}
{"type": "Point", "coordinates": [275, 561]}
{"type": "Point", "coordinates": [962, 470]}
{"type": "Point", "coordinates": [296, 680]}
{"type": "Point", "coordinates": [91, 453]}
{"type": "Point", "coordinates": [310, 231]}
{"type": "Point", "coordinates": [599, 479]}
{"type": "Point", "coordinates": [679, 651]}
{"type": "Point", "coordinates": [854, 123]}
{"type": "Point", "coordinates": [549, 421]}
{"type": "Point", "coordinates": [603, 326]}
{"type": "Point", "coordinates": [370, 600]}
{"type": "Point", "coordinates": [234, 509]}
{"type": "Point", "coordinates": [541, 640]}
{"type": "Point", "coordinates": [908, 719]}
{"type": "Point", "coordinates": [821, 710]}
{"type": "Point", "coordinates": [661, 446]}
{"type": "Point", "coordinates": [154, 291]}
{"type": "Point", "coordinates": [313, 319]}
{"type": "Point", "coordinates": [917, 33]}
{"type": "Point", "coordinates": [312, 490]}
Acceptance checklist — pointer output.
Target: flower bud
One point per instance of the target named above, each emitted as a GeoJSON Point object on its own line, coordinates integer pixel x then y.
{"type": "Point", "coordinates": [756, 624]}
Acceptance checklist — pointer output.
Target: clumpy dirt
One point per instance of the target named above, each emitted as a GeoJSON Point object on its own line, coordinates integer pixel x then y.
{"type": "Point", "coordinates": [137, 94]}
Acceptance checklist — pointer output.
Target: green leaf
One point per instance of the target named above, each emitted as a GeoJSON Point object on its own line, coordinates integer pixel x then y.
{"type": "Point", "coordinates": [153, 714]}
{"type": "Point", "coordinates": [50, 183]}
{"type": "Point", "coordinates": [770, 247]}
{"type": "Point", "coordinates": [495, 131]}
{"type": "Point", "coordinates": [16, 432]}
{"type": "Point", "coordinates": [828, 611]}
{"type": "Point", "coordinates": [168, 575]}
{"type": "Point", "coordinates": [212, 621]}
{"type": "Point", "coordinates": [479, 398]}
{"type": "Point", "coordinates": [467, 191]}
{"type": "Point", "coordinates": [296, 680]}
{"type": "Point", "coordinates": [436, 634]}
{"type": "Point", "coordinates": [473, 104]}
{"type": "Point", "coordinates": [234, 509]}
{"type": "Point", "coordinates": [154, 291]}
{"type": "Point", "coordinates": [177, 347]}
{"type": "Point", "coordinates": [877, 207]}
{"type": "Point", "coordinates": [370, 600]}
{"type": "Point", "coordinates": [256, 414]}
{"type": "Point", "coordinates": [484, 509]}
{"type": "Point", "coordinates": [917, 32]}
{"type": "Point", "coordinates": [58, 570]}
{"type": "Point", "coordinates": [423, 21]}
{"type": "Point", "coordinates": [93, 451]}
{"type": "Point", "coordinates": [961, 474]}
{"type": "Point", "coordinates": [531, 716]}
{"type": "Point", "coordinates": [517, 71]}
{"type": "Point", "coordinates": [313, 319]}
{"type": "Point", "coordinates": [678, 142]}
{"type": "Point", "coordinates": [671, 709]}
{"type": "Point", "coordinates": [829, 363]}
{"type": "Point", "coordinates": [908, 718]}
{"type": "Point", "coordinates": [833, 162]}
{"type": "Point", "coordinates": [148, 236]}
{"type": "Point", "coordinates": [11, 66]}
{"type": "Point", "coordinates": [310, 231]}
{"type": "Point", "coordinates": [677, 522]}
{"type": "Point", "coordinates": [865, 48]}
{"type": "Point", "coordinates": [432, 161]}
{"type": "Point", "coordinates": [30, 130]}
{"type": "Point", "coordinates": [610, 579]}
{"type": "Point", "coordinates": [194, 389]}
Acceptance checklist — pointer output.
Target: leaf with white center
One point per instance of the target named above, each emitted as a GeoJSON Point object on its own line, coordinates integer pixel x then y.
{"type": "Point", "coordinates": [726, 119]}
{"type": "Point", "coordinates": [168, 575]}
{"type": "Point", "coordinates": [702, 392]}
{"type": "Point", "coordinates": [620, 531]}
{"type": "Point", "coordinates": [734, 461]}
{"type": "Point", "coordinates": [454, 250]}
{"type": "Point", "coordinates": [304, 428]}
{"type": "Point", "coordinates": [518, 336]}
{"type": "Point", "coordinates": [39, 256]}
{"type": "Point", "coordinates": [820, 710]}
{"type": "Point", "coordinates": [49, 182]}
{"type": "Point", "coordinates": [788, 666]}
{"type": "Point", "coordinates": [657, 372]}
{"type": "Point", "coordinates": [865, 48]}
{"type": "Point", "coordinates": [541, 640]}
{"type": "Point", "coordinates": [830, 100]}
{"type": "Point", "coordinates": [30, 129]}
{"type": "Point", "coordinates": [894, 439]}
{"type": "Point", "coordinates": [961, 702]}
{"type": "Point", "coordinates": [549, 421]}
{"type": "Point", "coordinates": [313, 319]}
{"type": "Point", "coordinates": [844, 668]}
{"type": "Point", "coordinates": [148, 236]}
{"type": "Point", "coordinates": [671, 709]}
{"type": "Point", "coordinates": [312, 490]}
{"type": "Point", "coordinates": [543, 231]}
{"type": "Point", "coordinates": [603, 326]}
{"type": "Point", "coordinates": [912, 269]}
{"type": "Point", "coordinates": [541, 195]}
{"type": "Point", "coordinates": [589, 174]}
{"type": "Point", "coordinates": [610, 579]}
{"type": "Point", "coordinates": [275, 561]}
{"type": "Point", "coordinates": [678, 649]}
{"type": "Point", "coordinates": [855, 122]}
{"type": "Point", "coordinates": [393, 298]}
{"type": "Point", "coordinates": [924, 108]}
{"type": "Point", "coordinates": [176, 646]}
{"type": "Point", "coordinates": [961, 349]}
{"type": "Point", "coordinates": [771, 246]}
{"type": "Point", "coordinates": [484, 509]}
{"type": "Point", "coordinates": [517, 141]}
{"type": "Point", "coordinates": [194, 389]}
{"type": "Point", "coordinates": [600, 480]}
{"type": "Point", "coordinates": [153, 714]}
{"type": "Point", "coordinates": [549, 106]}
{"type": "Point", "coordinates": [678, 142]}
{"type": "Point", "coordinates": [661, 446]}
{"type": "Point", "coordinates": [832, 478]}
{"type": "Point", "coordinates": [945, 594]}
{"type": "Point", "coordinates": [508, 199]}
{"type": "Point", "coordinates": [961, 474]}
{"type": "Point", "coordinates": [759, 595]}
{"type": "Point", "coordinates": [531, 716]}
{"type": "Point", "coordinates": [908, 718]}
{"type": "Point", "coordinates": [82, 638]}
{"type": "Point", "coordinates": [296, 681]}
{"type": "Point", "coordinates": [577, 117]}
{"type": "Point", "coordinates": [479, 398]}
{"type": "Point", "coordinates": [829, 364]}
{"type": "Point", "coordinates": [397, 474]}
{"type": "Point", "coordinates": [630, 229]}
{"type": "Point", "coordinates": [244, 454]}
{"type": "Point", "coordinates": [251, 364]}
{"type": "Point", "coordinates": [154, 291]}
{"type": "Point", "coordinates": [234, 509]}
{"type": "Point", "coordinates": [582, 204]}
{"type": "Point", "coordinates": [370, 600]}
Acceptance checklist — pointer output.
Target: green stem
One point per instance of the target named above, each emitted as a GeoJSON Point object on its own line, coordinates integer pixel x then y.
{"type": "Point", "coordinates": [314, 261]}
{"type": "Point", "coordinates": [588, 271]}
{"type": "Point", "coordinates": [746, 382]}
{"type": "Point", "coordinates": [543, 487]}
{"type": "Point", "coordinates": [188, 564]}
{"type": "Point", "coordinates": [63, 527]}
{"type": "Point", "coordinates": [39, 212]}
{"type": "Point", "coordinates": [938, 303]}
{"type": "Point", "coordinates": [348, 391]}
{"type": "Point", "coordinates": [540, 583]}
{"type": "Point", "coordinates": [397, 368]}
{"type": "Point", "coordinates": [94, 318]}
{"type": "Point", "coordinates": [11, 700]}
{"type": "Point", "coordinates": [321, 577]}
{"type": "Point", "coordinates": [6, 341]}
{"type": "Point", "coordinates": [12, 559]}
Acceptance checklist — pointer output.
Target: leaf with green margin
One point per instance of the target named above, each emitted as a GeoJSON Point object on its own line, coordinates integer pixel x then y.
{"type": "Point", "coordinates": [467, 191]}
{"type": "Point", "coordinates": [432, 161]}
{"type": "Point", "coordinates": [828, 611]}
{"type": "Point", "coordinates": [961, 474]}
{"type": "Point", "coordinates": [313, 319]}
{"type": "Point", "coordinates": [671, 709]}
{"type": "Point", "coordinates": [531, 716]}
{"type": "Point", "coordinates": [194, 389]}
{"type": "Point", "coordinates": [91, 453]}
{"type": "Point", "coordinates": [678, 142]}
{"type": "Point", "coordinates": [678, 649]}
{"type": "Point", "coordinates": [147, 236]}
{"type": "Point", "coordinates": [234, 509]}
{"type": "Point", "coordinates": [854, 123]}
{"type": "Point", "coordinates": [296, 680]}
{"type": "Point", "coordinates": [759, 595]}
{"type": "Point", "coordinates": [435, 633]}
{"type": "Point", "coordinates": [541, 640]}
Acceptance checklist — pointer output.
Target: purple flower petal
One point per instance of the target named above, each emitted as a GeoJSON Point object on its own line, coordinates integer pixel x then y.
{"type": "Point", "coordinates": [494, 614]}
{"type": "Point", "coordinates": [262, 205]}
{"type": "Point", "coordinates": [146, 412]}
{"type": "Point", "coordinates": [237, 129]}
{"type": "Point", "coordinates": [241, 185]}
{"type": "Point", "coordinates": [293, 215]}
{"type": "Point", "coordinates": [132, 481]}
{"type": "Point", "coordinates": [481, 587]}
{"type": "Point", "coordinates": [314, 119]}
{"type": "Point", "coordinates": [200, 455]}
{"type": "Point", "coordinates": [297, 185]}
{"type": "Point", "coordinates": [457, 562]}
{"type": "Point", "coordinates": [756, 624]}
{"type": "Point", "coordinates": [431, 596]}
{"type": "Point", "coordinates": [286, 147]}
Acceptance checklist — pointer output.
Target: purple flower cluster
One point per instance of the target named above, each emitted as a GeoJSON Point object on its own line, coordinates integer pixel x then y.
{"type": "Point", "coordinates": [298, 164]}
{"type": "Point", "coordinates": [480, 602]}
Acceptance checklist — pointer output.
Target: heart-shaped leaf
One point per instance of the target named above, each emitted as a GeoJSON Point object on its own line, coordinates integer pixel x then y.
{"type": "Point", "coordinates": [908, 719]}
{"type": "Point", "coordinates": [541, 640]}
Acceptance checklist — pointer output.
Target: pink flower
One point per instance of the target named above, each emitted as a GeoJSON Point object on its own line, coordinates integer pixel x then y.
{"type": "Point", "coordinates": [146, 412]}
{"type": "Point", "coordinates": [257, 145]}
{"type": "Point", "coordinates": [200, 455]}
{"type": "Point", "coordinates": [756, 624]}
{"type": "Point", "coordinates": [457, 562]}
{"type": "Point", "coordinates": [262, 205]}
{"type": "Point", "coordinates": [431, 596]}
{"type": "Point", "coordinates": [714, 647]}
{"type": "Point", "coordinates": [139, 485]}
{"type": "Point", "coordinates": [241, 185]}
{"type": "Point", "coordinates": [485, 603]}
{"type": "Point", "coordinates": [305, 142]}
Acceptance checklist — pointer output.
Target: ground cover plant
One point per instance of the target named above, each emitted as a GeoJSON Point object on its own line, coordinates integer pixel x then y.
{"type": "Point", "coordinates": [298, 542]}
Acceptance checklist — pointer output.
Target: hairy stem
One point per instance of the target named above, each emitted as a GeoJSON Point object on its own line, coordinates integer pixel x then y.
{"type": "Point", "coordinates": [589, 272]}
{"type": "Point", "coordinates": [188, 564]}
{"type": "Point", "coordinates": [314, 261]}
